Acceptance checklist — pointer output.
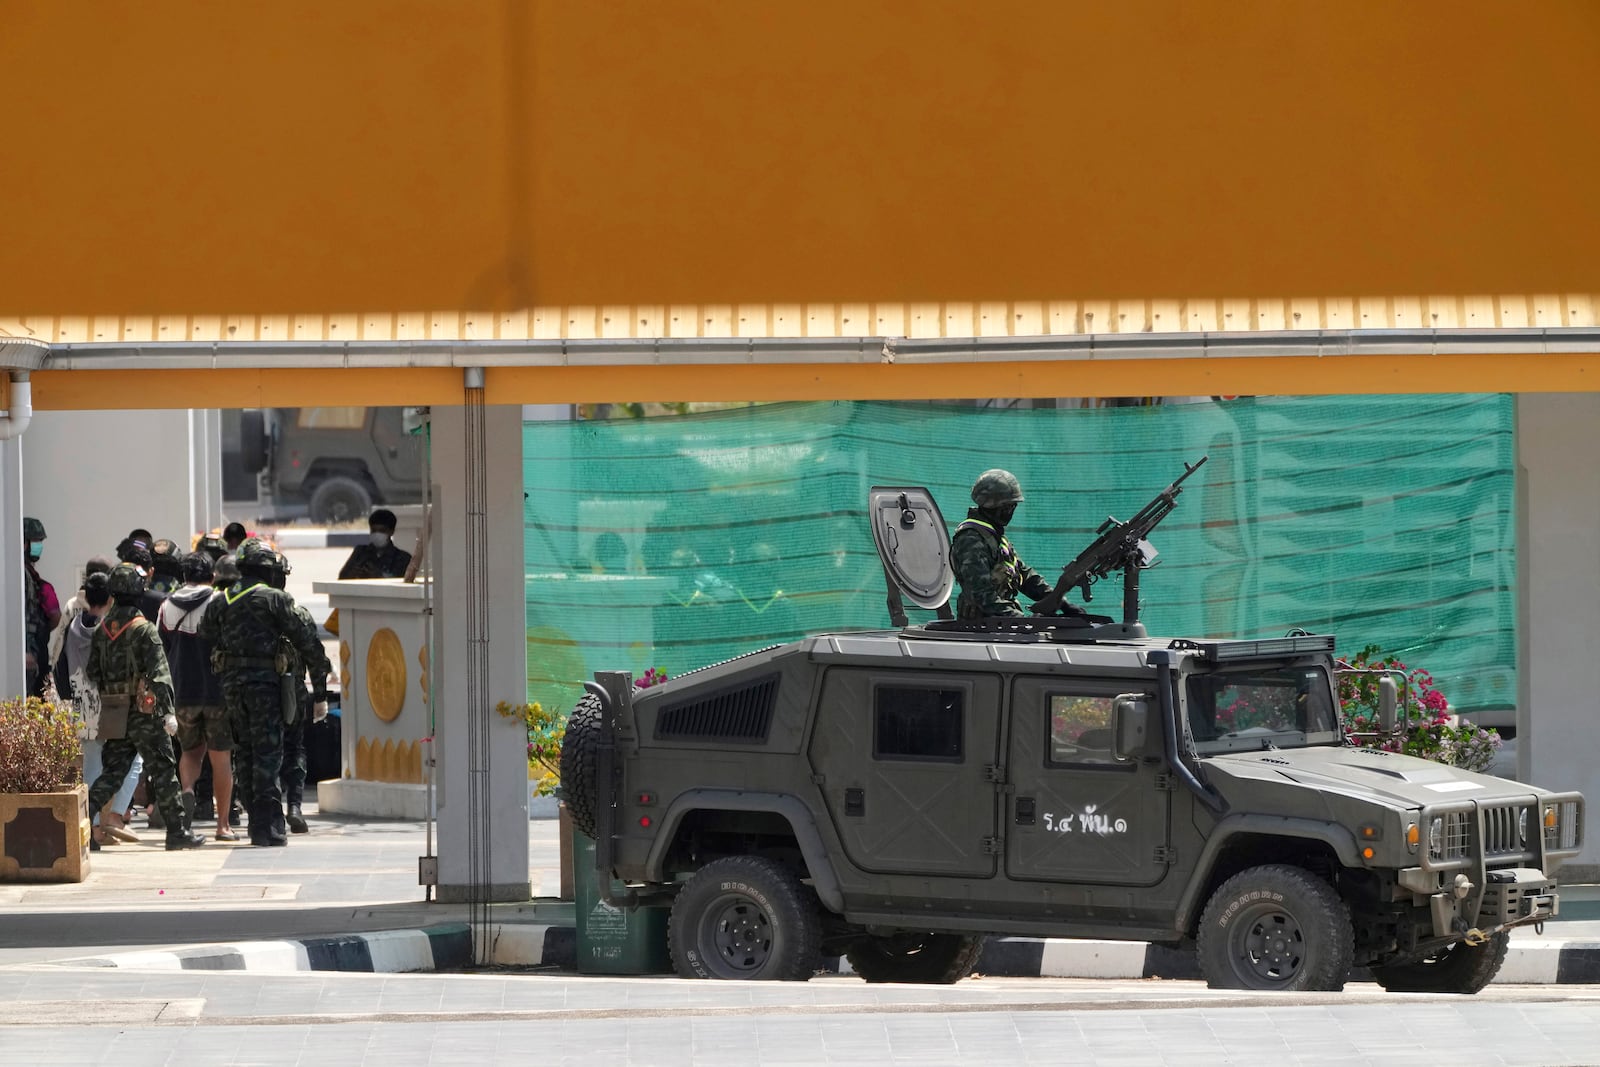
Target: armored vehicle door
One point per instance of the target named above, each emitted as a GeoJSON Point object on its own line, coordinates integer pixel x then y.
{"type": "Point", "coordinates": [906, 764]}
{"type": "Point", "coordinates": [1077, 813]}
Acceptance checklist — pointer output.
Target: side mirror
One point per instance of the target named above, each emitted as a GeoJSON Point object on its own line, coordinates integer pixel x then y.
{"type": "Point", "coordinates": [1386, 703]}
{"type": "Point", "coordinates": [1130, 726]}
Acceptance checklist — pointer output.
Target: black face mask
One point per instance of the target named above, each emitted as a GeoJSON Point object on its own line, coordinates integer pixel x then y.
{"type": "Point", "coordinates": [1001, 514]}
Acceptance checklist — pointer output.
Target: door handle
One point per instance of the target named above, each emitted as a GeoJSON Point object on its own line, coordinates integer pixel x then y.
{"type": "Point", "coordinates": [1025, 811]}
{"type": "Point", "coordinates": [855, 802]}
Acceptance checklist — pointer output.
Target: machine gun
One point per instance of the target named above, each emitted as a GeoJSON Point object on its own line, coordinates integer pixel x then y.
{"type": "Point", "coordinates": [1119, 546]}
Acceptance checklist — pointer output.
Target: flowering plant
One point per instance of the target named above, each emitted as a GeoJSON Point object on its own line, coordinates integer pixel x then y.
{"type": "Point", "coordinates": [1434, 734]}
{"type": "Point", "coordinates": [545, 731]}
{"type": "Point", "coordinates": [39, 746]}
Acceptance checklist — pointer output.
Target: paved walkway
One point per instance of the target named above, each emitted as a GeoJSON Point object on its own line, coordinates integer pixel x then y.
{"type": "Point", "coordinates": [347, 874]}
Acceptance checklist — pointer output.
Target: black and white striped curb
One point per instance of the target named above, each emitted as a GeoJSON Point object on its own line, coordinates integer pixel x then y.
{"type": "Point", "coordinates": [449, 947]}
{"type": "Point", "coordinates": [1528, 962]}
{"type": "Point", "coordinates": [289, 538]}
{"type": "Point", "coordinates": [436, 948]}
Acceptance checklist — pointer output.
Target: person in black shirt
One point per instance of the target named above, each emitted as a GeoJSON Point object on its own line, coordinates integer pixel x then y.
{"type": "Point", "coordinates": [380, 558]}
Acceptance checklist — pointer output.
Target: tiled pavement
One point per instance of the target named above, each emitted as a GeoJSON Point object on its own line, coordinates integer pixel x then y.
{"type": "Point", "coordinates": [390, 1020]}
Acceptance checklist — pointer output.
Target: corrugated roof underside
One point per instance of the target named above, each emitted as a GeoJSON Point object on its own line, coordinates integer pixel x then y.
{"type": "Point", "coordinates": [975, 319]}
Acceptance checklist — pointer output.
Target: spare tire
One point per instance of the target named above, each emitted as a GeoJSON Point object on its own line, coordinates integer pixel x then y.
{"type": "Point", "coordinates": [580, 747]}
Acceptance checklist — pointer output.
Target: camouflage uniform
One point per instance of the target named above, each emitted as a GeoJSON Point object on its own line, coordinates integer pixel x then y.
{"type": "Point", "coordinates": [244, 626]}
{"type": "Point", "coordinates": [989, 570]}
{"type": "Point", "coordinates": [126, 649]}
{"type": "Point", "coordinates": [293, 774]}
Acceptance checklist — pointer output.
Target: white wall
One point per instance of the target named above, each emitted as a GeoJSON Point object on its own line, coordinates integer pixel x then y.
{"type": "Point", "coordinates": [91, 476]}
{"type": "Point", "coordinates": [1558, 564]}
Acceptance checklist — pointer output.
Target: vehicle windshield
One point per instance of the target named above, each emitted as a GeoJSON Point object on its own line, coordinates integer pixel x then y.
{"type": "Point", "coordinates": [1253, 708]}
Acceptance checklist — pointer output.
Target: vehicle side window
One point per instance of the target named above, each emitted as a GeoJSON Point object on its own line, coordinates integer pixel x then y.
{"type": "Point", "coordinates": [916, 723]}
{"type": "Point", "coordinates": [1080, 729]}
{"type": "Point", "coordinates": [332, 418]}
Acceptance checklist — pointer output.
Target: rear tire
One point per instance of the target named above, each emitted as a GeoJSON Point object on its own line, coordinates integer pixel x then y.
{"type": "Point", "coordinates": [745, 917]}
{"type": "Point", "coordinates": [927, 959]}
{"type": "Point", "coordinates": [579, 747]}
{"type": "Point", "coordinates": [1276, 927]}
{"type": "Point", "coordinates": [1461, 968]}
{"type": "Point", "coordinates": [340, 500]}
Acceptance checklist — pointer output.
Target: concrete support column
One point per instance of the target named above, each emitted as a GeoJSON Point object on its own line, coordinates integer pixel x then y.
{"type": "Point", "coordinates": [1558, 564]}
{"type": "Point", "coordinates": [205, 470]}
{"type": "Point", "coordinates": [13, 624]}
{"type": "Point", "coordinates": [501, 820]}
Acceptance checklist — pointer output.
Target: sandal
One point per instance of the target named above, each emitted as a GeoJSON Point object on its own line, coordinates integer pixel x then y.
{"type": "Point", "coordinates": [227, 835]}
{"type": "Point", "coordinates": [120, 833]}
{"type": "Point", "coordinates": [102, 836]}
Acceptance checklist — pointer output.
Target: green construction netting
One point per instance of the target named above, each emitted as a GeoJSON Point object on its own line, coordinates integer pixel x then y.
{"type": "Point", "coordinates": [677, 542]}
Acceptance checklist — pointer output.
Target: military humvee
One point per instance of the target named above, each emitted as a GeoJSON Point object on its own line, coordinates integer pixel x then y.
{"type": "Point", "coordinates": [898, 796]}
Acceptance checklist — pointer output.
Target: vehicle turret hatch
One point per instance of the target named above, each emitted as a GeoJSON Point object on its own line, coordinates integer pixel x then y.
{"type": "Point", "coordinates": [913, 543]}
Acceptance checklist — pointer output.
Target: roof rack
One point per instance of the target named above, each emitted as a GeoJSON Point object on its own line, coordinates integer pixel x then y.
{"type": "Point", "coordinates": [1223, 651]}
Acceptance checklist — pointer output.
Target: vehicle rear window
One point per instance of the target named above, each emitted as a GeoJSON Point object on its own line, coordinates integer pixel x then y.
{"type": "Point", "coordinates": [917, 723]}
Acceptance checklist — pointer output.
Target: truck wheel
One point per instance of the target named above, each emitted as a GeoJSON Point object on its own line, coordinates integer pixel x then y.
{"type": "Point", "coordinates": [340, 500]}
{"type": "Point", "coordinates": [579, 790]}
{"type": "Point", "coordinates": [1276, 927]}
{"type": "Point", "coordinates": [931, 959]}
{"type": "Point", "coordinates": [1460, 968]}
{"type": "Point", "coordinates": [744, 917]}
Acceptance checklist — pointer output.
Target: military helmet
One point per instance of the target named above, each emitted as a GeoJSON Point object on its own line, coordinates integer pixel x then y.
{"type": "Point", "coordinates": [226, 570]}
{"type": "Point", "coordinates": [32, 529]}
{"type": "Point", "coordinates": [256, 553]}
{"type": "Point", "coordinates": [125, 580]}
{"type": "Point", "coordinates": [996, 488]}
{"type": "Point", "coordinates": [211, 546]}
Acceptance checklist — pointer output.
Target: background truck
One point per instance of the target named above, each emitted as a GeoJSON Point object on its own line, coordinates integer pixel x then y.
{"type": "Point", "coordinates": [332, 465]}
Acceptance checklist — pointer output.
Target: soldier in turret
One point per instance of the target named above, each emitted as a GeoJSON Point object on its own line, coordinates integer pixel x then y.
{"type": "Point", "coordinates": [129, 671]}
{"type": "Point", "coordinates": [989, 570]}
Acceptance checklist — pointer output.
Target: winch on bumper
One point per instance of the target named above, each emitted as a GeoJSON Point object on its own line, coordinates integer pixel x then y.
{"type": "Point", "coordinates": [1484, 864]}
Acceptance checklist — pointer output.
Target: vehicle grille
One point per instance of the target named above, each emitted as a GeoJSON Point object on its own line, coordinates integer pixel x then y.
{"type": "Point", "coordinates": [1505, 830]}
{"type": "Point", "coordinates": [741, 715]}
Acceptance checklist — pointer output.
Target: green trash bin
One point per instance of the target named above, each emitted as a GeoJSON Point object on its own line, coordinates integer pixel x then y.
{"type": "Point", "coordinates": [614, 940]}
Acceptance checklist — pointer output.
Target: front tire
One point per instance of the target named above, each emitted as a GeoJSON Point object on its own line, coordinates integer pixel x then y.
{"type": "Point", "coordinates": [1460, 968]}
{"type": "Point", "coordinates": [339, 500]}
{"type": "Point", "coordinates": [1276, 927]}
{"type": "Point", "coordinates": [928, 959]}
{"type": "Point", "coordinates": [744, 917]}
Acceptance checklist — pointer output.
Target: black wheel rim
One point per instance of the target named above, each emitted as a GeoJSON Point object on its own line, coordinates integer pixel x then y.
{"type": "Point", "coordinates": [738, 934]}
{"type": "Point", "coordinates": [1267, 947]}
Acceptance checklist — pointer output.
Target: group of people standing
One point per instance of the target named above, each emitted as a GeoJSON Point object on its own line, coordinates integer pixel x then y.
{"type": "Point", "coordinates": [204, 648]}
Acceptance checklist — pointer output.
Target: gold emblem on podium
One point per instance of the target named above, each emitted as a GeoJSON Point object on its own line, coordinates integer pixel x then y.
{"type": "Point", "coordinates": [386, 675]}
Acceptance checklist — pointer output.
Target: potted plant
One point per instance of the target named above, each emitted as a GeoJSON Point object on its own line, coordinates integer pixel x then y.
{"type": "Point", "coordinates": [1426, 726]}
{"type": "Point", "coordinates": [44, 804]}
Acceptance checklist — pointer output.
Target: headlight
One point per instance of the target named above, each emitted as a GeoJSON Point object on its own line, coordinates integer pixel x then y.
{"type": "Point", "coordinates": [1436, 836]}
{"type": "Point", "coordinates": [1522, 827]}
{"type": "Point", "coordinates": [1413, 837]}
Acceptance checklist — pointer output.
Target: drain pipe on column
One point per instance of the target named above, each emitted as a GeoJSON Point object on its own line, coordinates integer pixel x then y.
{"type": "Point", "coordinates": [20, 412]}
